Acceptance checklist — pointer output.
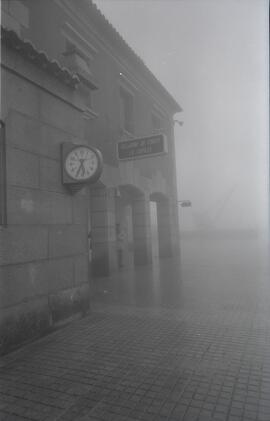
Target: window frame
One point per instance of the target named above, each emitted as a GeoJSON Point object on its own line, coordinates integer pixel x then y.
{"type": "Point", "coordinates": [155, 116]}
{"type": "Point", "coordinates": [127, 124]}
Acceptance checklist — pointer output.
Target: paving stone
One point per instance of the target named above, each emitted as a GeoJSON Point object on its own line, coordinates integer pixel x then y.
{"type": "Point", "coordinates": [198, 362]}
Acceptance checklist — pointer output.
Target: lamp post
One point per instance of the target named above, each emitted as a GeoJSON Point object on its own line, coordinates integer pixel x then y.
{"type": "Point", "coordinates": [185, 203]}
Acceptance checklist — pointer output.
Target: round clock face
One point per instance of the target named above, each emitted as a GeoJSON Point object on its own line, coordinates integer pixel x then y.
{"type": "Point", "coordinates": [81, 163]}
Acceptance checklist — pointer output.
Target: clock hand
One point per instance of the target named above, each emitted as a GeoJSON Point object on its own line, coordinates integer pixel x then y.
{"type": "Point", "coordinates": [81, 167]}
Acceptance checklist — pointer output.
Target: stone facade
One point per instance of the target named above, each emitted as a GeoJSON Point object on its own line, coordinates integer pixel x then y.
{"type": "Point", "coordinates": [45, 263]}
{"type": "Point", "coordinates": [43, 247]}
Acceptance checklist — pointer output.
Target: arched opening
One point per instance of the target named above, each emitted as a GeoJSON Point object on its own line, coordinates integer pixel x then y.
{"type": "Point", "coordinates": [101, 230]}
{"type": "Point", "coordinates": [124, 228]}
{"type": "Point", "coordinates": [160, 225]}
{"type": "Point", "coordinates": [132, 227]}
{"type": "Point", "coordinates": [118, 229]}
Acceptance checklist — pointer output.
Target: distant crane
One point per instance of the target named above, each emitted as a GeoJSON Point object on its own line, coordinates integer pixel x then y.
{"type": "Point", "coordinates": [205, 220]}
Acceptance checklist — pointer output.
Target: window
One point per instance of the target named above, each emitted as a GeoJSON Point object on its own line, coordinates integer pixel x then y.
{"type": "Point", "coordinates": [156, 123]}
{"type": "Point", "coordinates": [77, 61]}
{"type": "Point", "coordinates": [73, 49]}
{"type": "Point", "coordinates": [70, 47]}
{"type": "Point", "coordinates": [79, 54]}
{"type": "Point", "coordinates": [126, 110]}
{"type": "Point", "coordinates": [2, 175]}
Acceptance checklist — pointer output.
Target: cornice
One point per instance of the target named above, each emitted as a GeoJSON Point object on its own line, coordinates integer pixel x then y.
{"type": "Point", "coordinates": [110, 39]}
{"type": "Point", "coordinates": [37, 57]}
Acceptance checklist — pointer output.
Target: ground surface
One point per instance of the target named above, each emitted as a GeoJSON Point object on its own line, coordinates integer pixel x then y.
{"type": "Point", "coordinates": [159, 344]}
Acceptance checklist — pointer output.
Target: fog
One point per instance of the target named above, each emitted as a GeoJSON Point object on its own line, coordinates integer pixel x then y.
{"type": "Point", "coordinates": [212, 56]}
{"type": "Point", "coordinates": [186, 337]}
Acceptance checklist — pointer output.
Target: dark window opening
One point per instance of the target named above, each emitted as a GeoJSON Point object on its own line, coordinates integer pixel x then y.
{"type": "Point", "coordinates": [75, 58]}
{"type": "Point", "coordinates": [73, 49]}
{"type": "Point", "coordinates": [126, 111]}
{"type": "Point", "coordinates": [156, 123]}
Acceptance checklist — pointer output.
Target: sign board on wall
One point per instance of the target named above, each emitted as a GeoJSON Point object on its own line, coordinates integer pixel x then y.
{"type": "Point", "coordinates": [142, 147]}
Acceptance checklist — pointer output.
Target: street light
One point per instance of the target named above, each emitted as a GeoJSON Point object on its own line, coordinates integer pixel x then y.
{"type": "Point", "coordinates": [178, 122]}
{"type": "Point", "coordinates": [185, 203]}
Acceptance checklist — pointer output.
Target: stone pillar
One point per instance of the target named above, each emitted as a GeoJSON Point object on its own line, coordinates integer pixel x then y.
{"type": "Point", "coordinates": [141, 230]}
{"type": "Point", "coordinates": [164, 229]}
{"type": "Point", "coordinates": [175, 230]}
{"type": "Point", "coordinates": [102, 208]}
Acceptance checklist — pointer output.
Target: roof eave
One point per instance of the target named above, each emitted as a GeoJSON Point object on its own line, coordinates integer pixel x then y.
{"type": "Point", "coordinates": [25, 48]}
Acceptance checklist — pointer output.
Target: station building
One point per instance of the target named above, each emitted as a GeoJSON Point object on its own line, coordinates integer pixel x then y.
{"type": "Point", "coordinates": [68, 80]}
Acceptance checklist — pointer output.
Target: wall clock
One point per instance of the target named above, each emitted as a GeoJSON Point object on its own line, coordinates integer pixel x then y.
{"type": "Point", "coordinates": [81, 164]}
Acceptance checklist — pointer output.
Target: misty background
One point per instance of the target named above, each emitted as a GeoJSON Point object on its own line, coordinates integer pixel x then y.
{"type": "Point", "coordinates": [212, 56]}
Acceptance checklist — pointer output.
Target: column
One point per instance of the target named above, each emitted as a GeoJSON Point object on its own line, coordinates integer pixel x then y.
{"type": "Point", "coordinates": [102, 204]}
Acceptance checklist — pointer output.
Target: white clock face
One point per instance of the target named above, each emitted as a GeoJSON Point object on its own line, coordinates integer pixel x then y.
{"type": "Point", "coordinates": [81, 163]}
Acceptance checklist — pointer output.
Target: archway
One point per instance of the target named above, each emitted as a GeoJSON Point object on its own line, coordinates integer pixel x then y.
{"type": "Point", "coordinates": [119, 227]}
{"type": "Point", "coordinates": [132, 226]}
{"type": "Point", "coordinates": [160, 225]}
{"type": "Point", "coordinates": [101, 222]}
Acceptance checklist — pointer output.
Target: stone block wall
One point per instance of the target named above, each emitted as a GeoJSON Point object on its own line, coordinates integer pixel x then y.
{"type": "Point", "coordinates": [44, 250]}
{"type": "Point", "coordinates": [44, 247]}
